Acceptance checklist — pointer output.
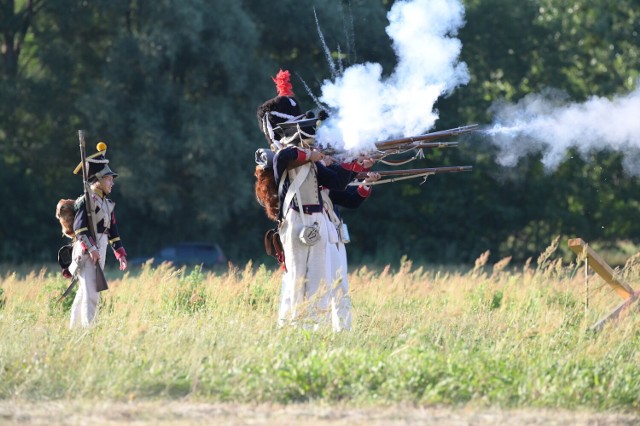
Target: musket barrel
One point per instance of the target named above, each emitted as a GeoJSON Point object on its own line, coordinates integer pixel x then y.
{"type": "Point", "coordinates": [433, 170]}
{"type": "Point", "coordinates": [396, 149]}
{"type": "Point", "coordinates": [435, 145]}
{"type": "Point", "coordinates": [418, 145]}
{"type": "Point", "coordinates": [426, 137]}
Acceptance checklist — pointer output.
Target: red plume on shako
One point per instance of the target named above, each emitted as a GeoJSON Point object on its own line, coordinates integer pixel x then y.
{"type": "Point", "coordinates": [283, 83]}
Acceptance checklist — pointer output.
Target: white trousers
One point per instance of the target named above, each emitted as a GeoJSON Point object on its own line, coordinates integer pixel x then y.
{"type": "Point", "coordinates": [306, 285]}
{"type": "Point", "coordinates": [340, 299]}
{"type": "Point", "coordinates": [85, 304]}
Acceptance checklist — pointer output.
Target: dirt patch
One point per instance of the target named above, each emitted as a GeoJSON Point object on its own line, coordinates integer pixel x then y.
{"type": "Point", "coordinates": [190, 413]}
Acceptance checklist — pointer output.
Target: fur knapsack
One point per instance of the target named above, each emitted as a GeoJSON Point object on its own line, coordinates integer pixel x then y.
{"type": "Point", "coordinates": [66, 213]}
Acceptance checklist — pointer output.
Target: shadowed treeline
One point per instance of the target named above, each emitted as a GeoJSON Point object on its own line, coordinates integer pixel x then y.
{"type": "Point", "coordinates": [172, 88]}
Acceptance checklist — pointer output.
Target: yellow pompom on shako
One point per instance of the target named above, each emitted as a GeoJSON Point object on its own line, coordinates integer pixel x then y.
{"type": "Point", "coordinates": [97, 164]}
{"type": "Point", "coordinates": [101, 147]}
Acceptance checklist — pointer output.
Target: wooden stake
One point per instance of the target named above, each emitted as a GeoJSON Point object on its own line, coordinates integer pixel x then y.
{"type": "Point", "coordinates": [586, 286]}
{"type": "Point", "coordinates": [616, 312]}
{"type": "Point", "coordinates": [623, 289]}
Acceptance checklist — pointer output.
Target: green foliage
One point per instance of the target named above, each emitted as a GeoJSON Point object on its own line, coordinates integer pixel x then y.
{"type": "Point", "coordinates": [172, 88]}
{"type": "Point", "coordinates": [189, 294]}
{"type": "Point", "coordinates": [257, 296]}
{"type": "Point", "coordinates": [54, 287]}
{"type": "Point", "coordinates": [496, 300]}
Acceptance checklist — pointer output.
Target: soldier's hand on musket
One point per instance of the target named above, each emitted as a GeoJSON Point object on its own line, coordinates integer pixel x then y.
{"type": "Point", "coordinates": [372, 177]}
{"type": "Point", "coordinates": [328, 160]}
{"type": "Point", "coordinates": [95, 256]}
{"type": "Point", "coordinates": [366, 162]}
{"type": "Point", "coordinates": [316, 156]}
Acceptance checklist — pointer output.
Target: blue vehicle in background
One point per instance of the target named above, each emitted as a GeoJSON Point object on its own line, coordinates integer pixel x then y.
{"type": "Point", "coordinates": [186, 254]}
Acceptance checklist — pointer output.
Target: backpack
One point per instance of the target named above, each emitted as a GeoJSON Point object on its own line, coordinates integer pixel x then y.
{"type": "Point", "coordinates": [66, 213]}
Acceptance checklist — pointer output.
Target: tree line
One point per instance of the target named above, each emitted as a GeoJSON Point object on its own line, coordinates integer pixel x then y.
{"type": "Point", "coordinates": [172, 88]}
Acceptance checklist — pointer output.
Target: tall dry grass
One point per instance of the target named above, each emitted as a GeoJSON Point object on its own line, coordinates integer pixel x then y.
{"type": "Point", "coordinates": [491, 335]}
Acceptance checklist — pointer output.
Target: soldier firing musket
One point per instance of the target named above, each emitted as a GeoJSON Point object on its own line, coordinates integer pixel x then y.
{"type": "Point", "coordinates": [392, 147]}
{"type": "Point", "coordinates": [300, 183]}
{"type": "Point", "coordinates": [294, 185]}
{"type": "Point", "coordinates": [383, 149]}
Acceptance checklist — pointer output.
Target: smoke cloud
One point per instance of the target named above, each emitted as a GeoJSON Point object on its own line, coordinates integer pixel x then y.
{"type": "Point", "coordinates": [545, 123]}
{"type": "Point", "coordinates": [367, 107]}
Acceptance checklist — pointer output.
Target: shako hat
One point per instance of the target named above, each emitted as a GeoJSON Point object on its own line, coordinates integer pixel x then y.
{"type": "Point", "coordinates": [97, 164]}
{"type": "Point", "coordinates": [284, 108]}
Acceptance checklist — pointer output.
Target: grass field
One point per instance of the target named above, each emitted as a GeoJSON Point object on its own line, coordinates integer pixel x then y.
{"type": "Point", "coordinates": [491, 336]}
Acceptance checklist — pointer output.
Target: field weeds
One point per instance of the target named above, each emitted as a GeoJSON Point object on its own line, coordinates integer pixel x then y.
{"type": "Point", "coordinates": [493, 336]}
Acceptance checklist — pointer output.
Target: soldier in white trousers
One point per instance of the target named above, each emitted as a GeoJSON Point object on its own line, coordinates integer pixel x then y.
{"type": "Point", "coordinates": [89, 254]}
{"type": "Point", "coordinates": [305, 228]}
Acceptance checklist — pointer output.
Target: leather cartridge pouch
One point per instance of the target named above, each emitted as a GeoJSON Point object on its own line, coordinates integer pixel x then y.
{"type": "Point", "coordinates": [273, 245]}
{"type": "Point", "coordinates": [268, 245]}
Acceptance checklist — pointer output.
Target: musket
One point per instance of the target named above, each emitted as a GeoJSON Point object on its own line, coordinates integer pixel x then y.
{"type": "Point", "coordinates": [395, 150]}
{"type": "Point", "coordinates": [420, 145]}
{"type": "Point", "coordinates": [74, 280]}
{"type": "Point", "coordinates": [392, 146]}
{"type": "Point", "coordinates": [411, 143]}
{"type": "Point", "coordinates": [411, 146]}
{"type": "Point", "coordinates": [418, 172]}
{"type": "Point", "coordinates": [101, 281]}
{"type": "Point", "coordinates": [392, 143]}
